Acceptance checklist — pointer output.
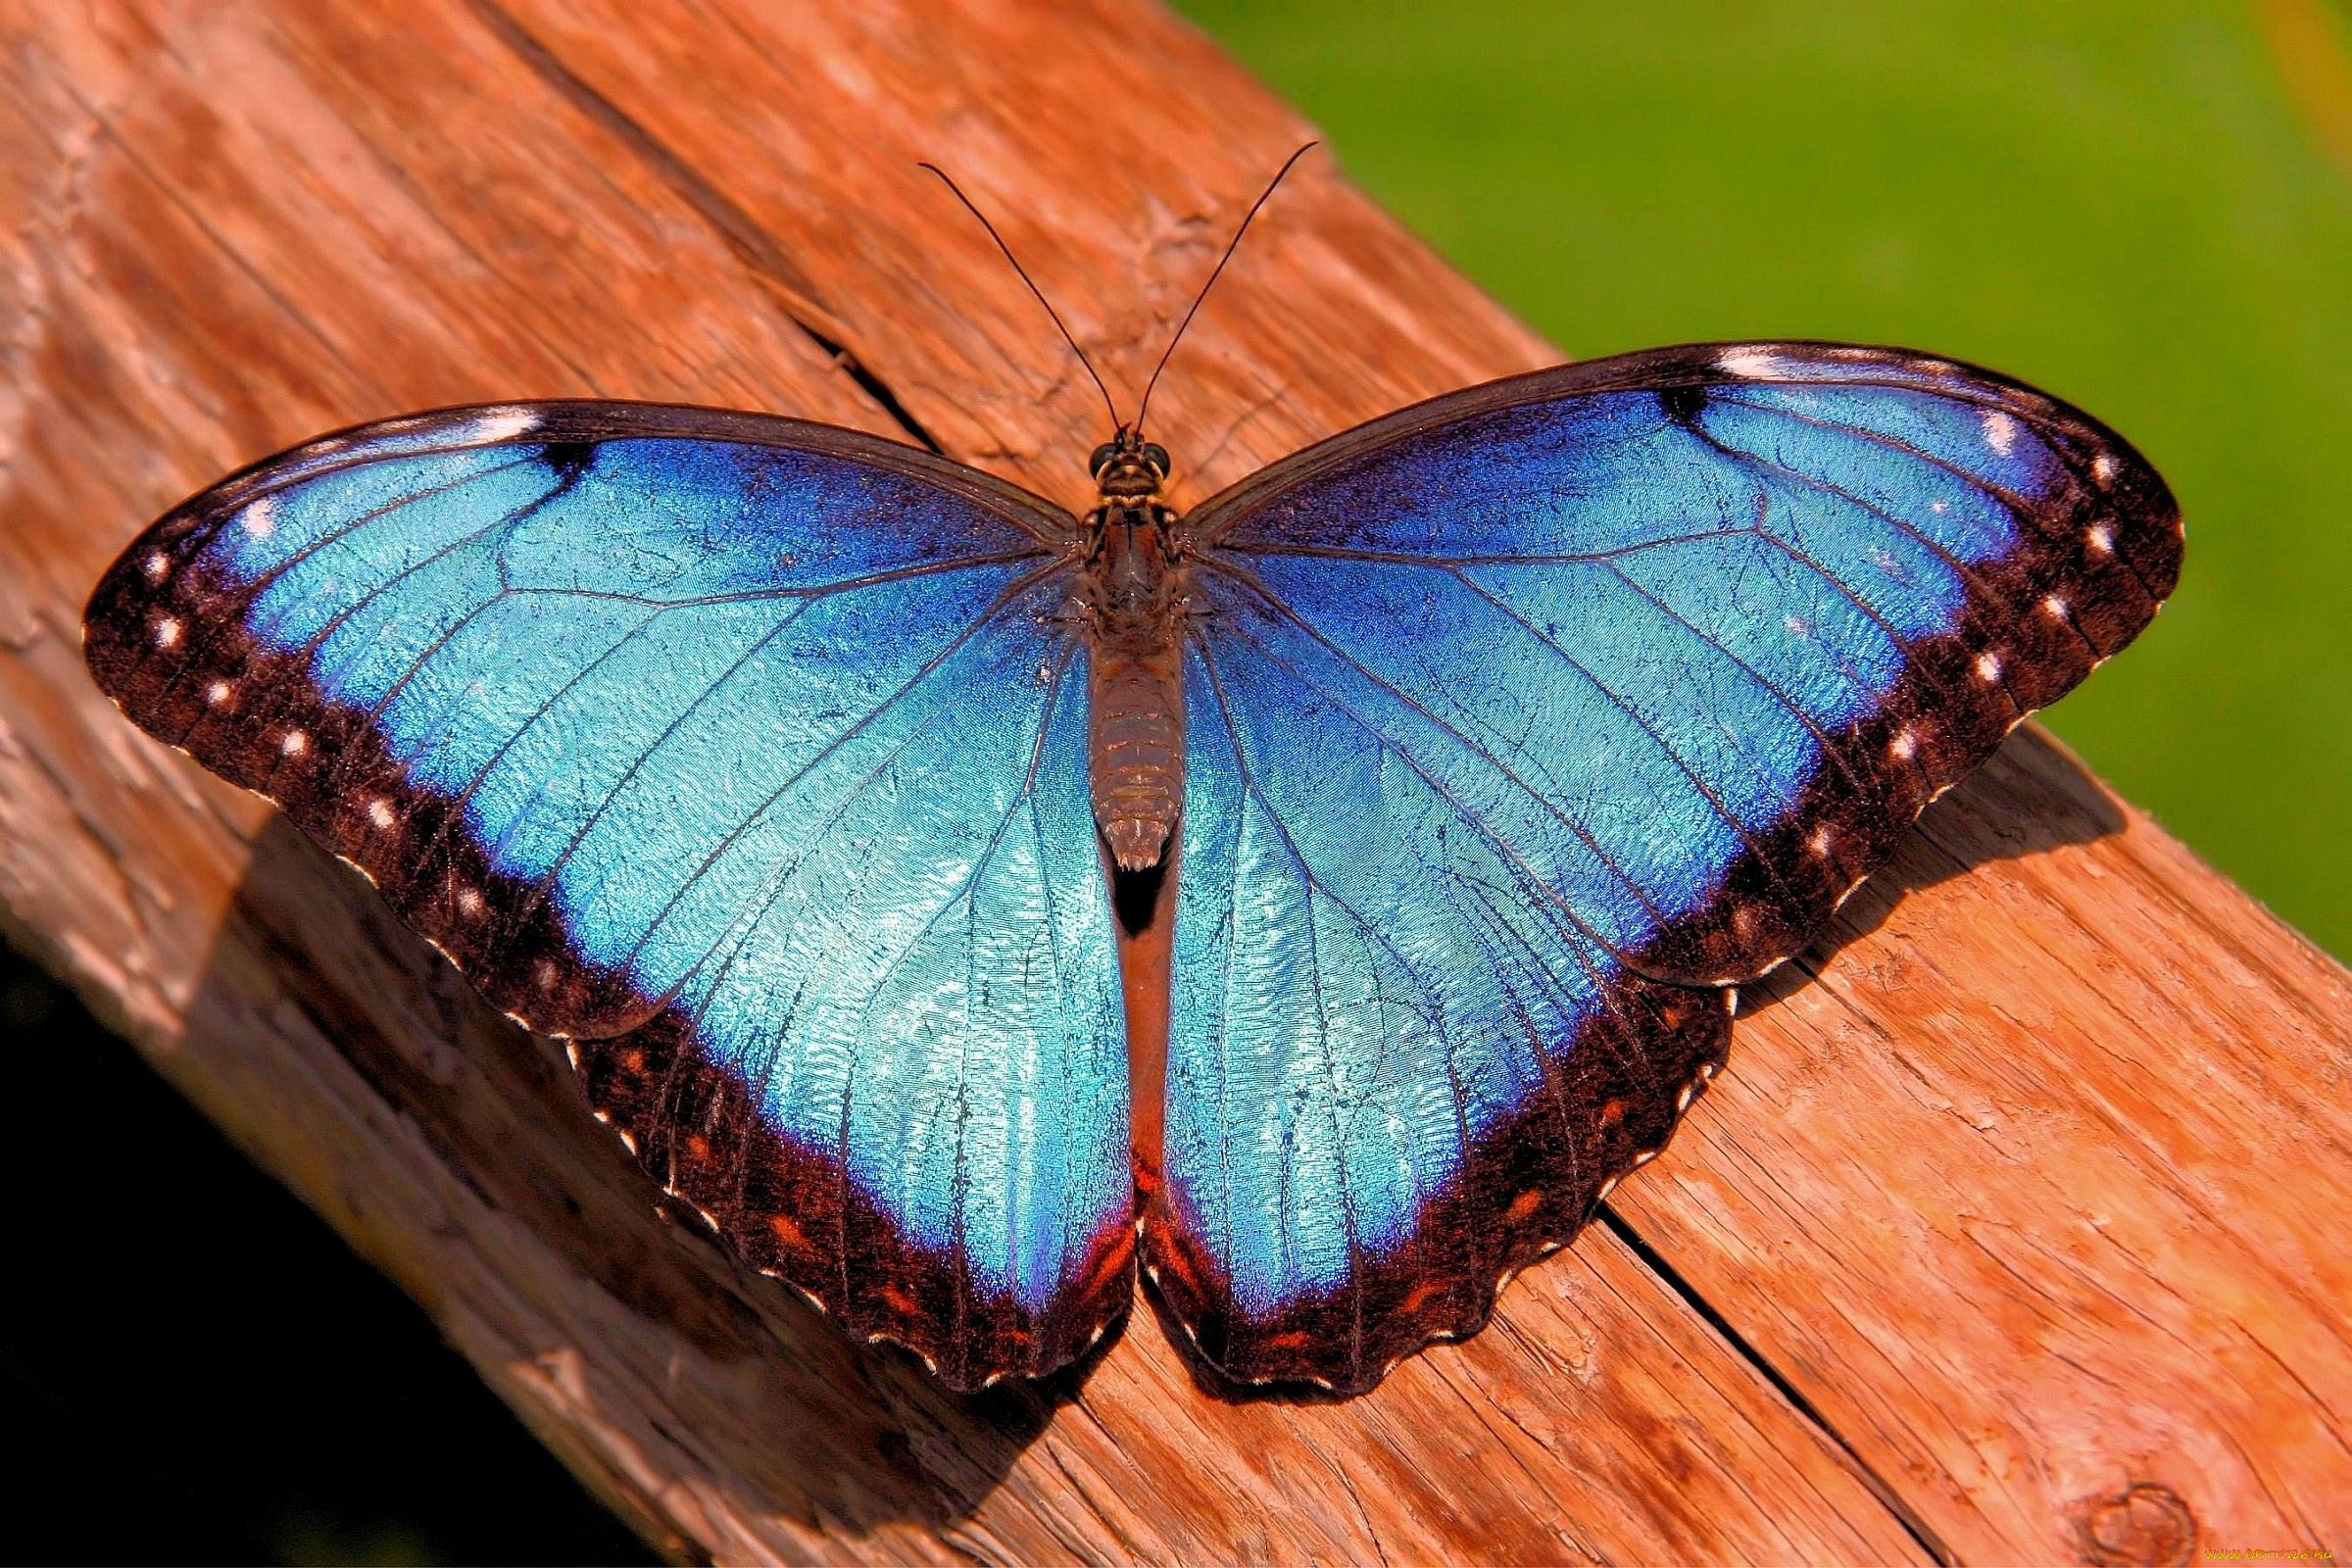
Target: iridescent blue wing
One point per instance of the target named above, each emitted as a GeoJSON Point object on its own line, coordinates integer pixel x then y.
{"type": "Point", "coordinates": [1524, 723]}
{"type": "Point", "coordinates": [749, 754]}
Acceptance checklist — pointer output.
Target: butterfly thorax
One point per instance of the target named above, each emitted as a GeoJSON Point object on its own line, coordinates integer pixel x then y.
{"type": "Point", "coordinates": [1131, 601]}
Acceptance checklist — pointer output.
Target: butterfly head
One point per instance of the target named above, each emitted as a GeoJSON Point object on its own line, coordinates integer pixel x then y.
{"type": "Point", "coordinates": [1129, 471]}
{"type": "Point", "coordinates": [1133, 587]}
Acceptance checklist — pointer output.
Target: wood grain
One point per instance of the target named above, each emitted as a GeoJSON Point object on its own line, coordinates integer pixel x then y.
{"type": "Point", "coordinates": [2016, 1230]}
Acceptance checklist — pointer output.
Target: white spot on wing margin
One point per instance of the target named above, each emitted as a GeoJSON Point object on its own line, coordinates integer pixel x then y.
{"type": "Point", "coordinates": [1749, 363]}
{"type": "Point", "coordinates": [493, 425]}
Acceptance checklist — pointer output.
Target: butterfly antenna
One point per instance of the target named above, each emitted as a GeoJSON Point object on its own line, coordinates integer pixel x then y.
{"type": "Point", "coordinates": [1107, 403]}
{"type": "Point", "coordinates": [1265, 196]}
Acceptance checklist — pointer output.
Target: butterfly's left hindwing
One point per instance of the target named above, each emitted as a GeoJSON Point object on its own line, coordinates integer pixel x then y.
{"type": "Point", "coordinates": [1521, 719]}
{"type": "Point", "coordinates": [1397, 1068]}
{"type": "Point", "coordinates": [749, 754]}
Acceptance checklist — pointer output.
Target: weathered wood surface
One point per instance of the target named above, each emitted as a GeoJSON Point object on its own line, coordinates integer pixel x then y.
{"type": "Point", "coordinates": [2016, 1230]}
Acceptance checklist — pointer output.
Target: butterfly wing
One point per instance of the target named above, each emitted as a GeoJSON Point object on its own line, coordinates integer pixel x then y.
{"type": "Point", "coordinates": [749, 755]}
{"type": "Point", "coordinates": [1524, 723]}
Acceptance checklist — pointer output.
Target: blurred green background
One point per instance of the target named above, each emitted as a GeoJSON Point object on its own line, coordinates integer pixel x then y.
{"type": "Point", "coordinates": [2144, 207]}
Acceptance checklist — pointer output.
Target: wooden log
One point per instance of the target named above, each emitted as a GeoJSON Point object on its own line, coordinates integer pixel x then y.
{"type": "Point", "coordinates": [2015, 1231]}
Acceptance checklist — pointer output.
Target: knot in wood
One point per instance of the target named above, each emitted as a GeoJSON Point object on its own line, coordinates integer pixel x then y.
{"type": "Point", "coordinates": [2144, 1526]}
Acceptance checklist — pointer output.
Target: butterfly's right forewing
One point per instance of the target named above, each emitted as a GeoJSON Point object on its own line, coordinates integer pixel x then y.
{"type": "Point", "coordinates": [750, 754]}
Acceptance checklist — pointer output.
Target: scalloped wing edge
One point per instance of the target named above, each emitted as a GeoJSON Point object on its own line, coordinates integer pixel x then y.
{"type": "Point", "coordinates": [1509, 1206]}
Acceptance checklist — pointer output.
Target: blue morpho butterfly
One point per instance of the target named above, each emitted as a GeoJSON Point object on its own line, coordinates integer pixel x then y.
{"type": "Point", "coordinates": [1485, 748]}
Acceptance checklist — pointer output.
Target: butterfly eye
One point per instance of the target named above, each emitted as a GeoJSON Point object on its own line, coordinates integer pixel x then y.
{"type": "Point", "coordinates": [1101, 457]}
{"type": "Point", "coordinates": [1156, 456]}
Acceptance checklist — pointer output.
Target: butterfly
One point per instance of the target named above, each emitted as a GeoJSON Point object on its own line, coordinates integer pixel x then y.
{"type": "Point", "coordinates": [1416, 804]}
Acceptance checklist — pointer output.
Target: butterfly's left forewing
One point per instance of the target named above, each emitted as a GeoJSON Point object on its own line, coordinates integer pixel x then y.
{"type": "Point", "coordinates": [1525, 722]}
{"type": "Point", "coordinates": [749, 755]}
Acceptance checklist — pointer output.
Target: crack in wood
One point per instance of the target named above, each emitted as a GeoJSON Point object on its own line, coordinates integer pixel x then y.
{"type": "Point", "coordinates": [742, 233]}
{"type": "Point", "coordinates": [1672, 1278]}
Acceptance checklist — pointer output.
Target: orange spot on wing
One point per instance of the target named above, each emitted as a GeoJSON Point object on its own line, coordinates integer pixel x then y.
{"type": "Point", "coordinates": [1113, 1251]}
{"type": "Point", "coordinates": [1524, 1204]}
{"type": "Point", "coordinates": [1418, 1297]}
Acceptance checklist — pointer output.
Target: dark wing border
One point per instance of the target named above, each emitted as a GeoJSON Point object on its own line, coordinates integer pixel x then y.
{"type": "Point", "coordinates": [559, 421]}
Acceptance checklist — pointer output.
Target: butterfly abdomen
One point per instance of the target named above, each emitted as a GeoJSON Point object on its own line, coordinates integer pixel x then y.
{"type": "Point", "coordinates": [1136, 727]}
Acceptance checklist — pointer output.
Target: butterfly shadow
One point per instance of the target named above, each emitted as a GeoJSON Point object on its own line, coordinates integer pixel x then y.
{"type": "Point", "coordinates": [2032, 796]}
{"type": "Point", "coordinates": [459, 1151]}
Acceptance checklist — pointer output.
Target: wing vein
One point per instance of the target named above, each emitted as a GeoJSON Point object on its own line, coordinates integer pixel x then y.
{"type": "Point", "coordinates": [1406, 700]}
{"type": "Point", "coordinates": [996, 607]}
{"type": "Point", "coordinates": [1618, 701]}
